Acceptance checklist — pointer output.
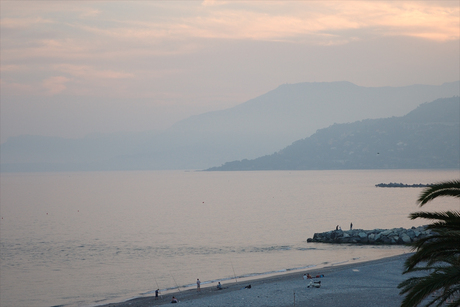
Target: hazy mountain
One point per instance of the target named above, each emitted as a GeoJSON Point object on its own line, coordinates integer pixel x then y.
{"type": "Point", "coordinates": [257, 127]}
{"type": "Point", "coordinates": [428, 137]}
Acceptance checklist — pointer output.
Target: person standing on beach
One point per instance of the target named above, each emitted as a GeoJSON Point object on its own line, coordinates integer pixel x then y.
{"type": "Point", "coordinates": [157, 291]}
{"type": "Point", "coordinates": [198, 283]}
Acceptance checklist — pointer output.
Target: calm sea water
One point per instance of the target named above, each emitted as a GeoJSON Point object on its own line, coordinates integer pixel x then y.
{"type": "Point", "coordinates": [82, 239]}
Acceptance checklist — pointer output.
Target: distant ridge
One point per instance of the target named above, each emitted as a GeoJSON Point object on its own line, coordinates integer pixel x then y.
{"type": "Point", "coordinates": [257, 127]}
{"type": "Point", "coordinates": [426, 138]}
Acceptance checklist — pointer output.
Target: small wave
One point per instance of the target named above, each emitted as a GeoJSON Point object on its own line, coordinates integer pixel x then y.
{"type": "Point", "coordinates": [267, 249]}
{"type": "Point", "coordinates": [132, 298]}
{"type": "Point", "coordinates": [222, 280]}
{"type": "Point", "coordinates": [302, 268]}
{"type": "Point", "coordinates": [270, 272]}
{"type": "Point", "coordinates": [342, 262]}
{"type": "Point", "coordinates": [305, 248]}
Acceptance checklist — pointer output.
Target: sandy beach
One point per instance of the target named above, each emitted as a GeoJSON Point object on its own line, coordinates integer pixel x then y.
{"type": "Point", "coordinates": [371, 284]}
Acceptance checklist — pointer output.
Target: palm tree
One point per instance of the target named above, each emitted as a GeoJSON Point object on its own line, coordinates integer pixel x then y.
{"type": "Point", "coordinates": [438, 256]}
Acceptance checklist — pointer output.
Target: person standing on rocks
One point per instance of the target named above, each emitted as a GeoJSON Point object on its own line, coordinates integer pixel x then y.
{"type": "Point", "coordinates": [351, 226]}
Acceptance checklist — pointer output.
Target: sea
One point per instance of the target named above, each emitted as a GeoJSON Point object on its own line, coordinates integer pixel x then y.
{"type": "Point", "coordinates": [92, 238]}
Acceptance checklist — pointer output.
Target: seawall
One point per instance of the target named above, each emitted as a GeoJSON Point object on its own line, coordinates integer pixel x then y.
{"type": "Point", "coordinates": [376, 236]}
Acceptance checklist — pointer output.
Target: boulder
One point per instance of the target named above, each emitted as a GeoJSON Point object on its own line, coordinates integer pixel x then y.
{"type": "Point", "coordinates": [405, 238]}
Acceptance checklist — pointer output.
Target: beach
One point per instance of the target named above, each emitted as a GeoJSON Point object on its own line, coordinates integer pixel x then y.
{"type": "Point", "coordinates": [372, 283]}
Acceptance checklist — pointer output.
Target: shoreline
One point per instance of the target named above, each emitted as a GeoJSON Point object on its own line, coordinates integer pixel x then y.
{"type": "Point", "coordinates": [349, 283]}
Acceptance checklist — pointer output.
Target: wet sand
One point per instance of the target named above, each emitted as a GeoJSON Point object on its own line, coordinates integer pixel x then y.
{"type": "Point", "coordinates": [372, 283]}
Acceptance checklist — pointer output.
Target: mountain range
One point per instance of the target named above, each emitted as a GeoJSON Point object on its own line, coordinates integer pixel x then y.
{"type": "Point", "coordinates": [426, 138]}
{"type": "Point", "coordinates": [257, 127]}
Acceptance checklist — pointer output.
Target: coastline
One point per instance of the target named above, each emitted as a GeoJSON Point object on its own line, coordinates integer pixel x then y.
{"type": "Point", "coordinates": [368, 283]}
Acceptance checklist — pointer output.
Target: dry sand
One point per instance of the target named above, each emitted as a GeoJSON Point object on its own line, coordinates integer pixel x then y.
{"type": "Point", "coordinates": [364, 284]}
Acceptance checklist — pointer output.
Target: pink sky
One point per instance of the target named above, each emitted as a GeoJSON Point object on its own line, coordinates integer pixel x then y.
{"type": "Point", "coordinates": [70, 68]}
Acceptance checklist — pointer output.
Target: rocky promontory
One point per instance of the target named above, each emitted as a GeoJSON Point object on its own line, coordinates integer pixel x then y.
{"type": "Point", "coordinates": [377, 236]}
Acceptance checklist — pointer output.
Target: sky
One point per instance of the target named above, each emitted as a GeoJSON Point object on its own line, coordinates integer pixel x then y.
{"type": "Point", "coordinates": [77, 68]}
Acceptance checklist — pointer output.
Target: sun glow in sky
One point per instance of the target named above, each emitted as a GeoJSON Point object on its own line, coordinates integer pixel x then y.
{"type": "Point", "coordinates": [70, 68]}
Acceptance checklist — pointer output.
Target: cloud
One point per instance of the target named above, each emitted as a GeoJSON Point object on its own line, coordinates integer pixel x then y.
{"type": "Point", "coordinates": [55, 85]}
{"type": "Point", "coordinates": [208, 2]}
{"type": "Point", "coordinates": [274, 21]}
{"type": "Point", "coordinates": [99, 46]}
{"type": "Point", "coordinates": [13, 68]}
{"type": "Point", "coordinates": [89, 72]}
{"type": "Point", "coordinates": [14, 88]}
{"type": "Point", "coordinates": [90, 13]}
{"type": "Point", "coordinates": [105, 30]}
{"type": "Point", "coordinates": [426, 20]}
{"type": "Point", "coordinates": [22, 23]}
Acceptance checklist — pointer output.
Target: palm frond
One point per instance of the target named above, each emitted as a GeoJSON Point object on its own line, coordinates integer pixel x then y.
{"type": "Point", "coordinates": [447, 188]}
{"type": "Point", "coordinates": [417, 289]}
{"type": "Point", "coordinates": [434, 249]}
{"type": "Point", "coordinates": [437, 255]}
{"type": "Point", "coordinates": [445, 216]}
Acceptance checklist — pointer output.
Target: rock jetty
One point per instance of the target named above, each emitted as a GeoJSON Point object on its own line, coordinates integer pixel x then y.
{"type": "Point", "coordinates": [377, 236]}
{"type": "Point", "coordinates": [402, 185]}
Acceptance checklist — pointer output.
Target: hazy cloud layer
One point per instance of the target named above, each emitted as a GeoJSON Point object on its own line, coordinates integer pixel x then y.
{"type": "Point", "coordinates": [70, 68]}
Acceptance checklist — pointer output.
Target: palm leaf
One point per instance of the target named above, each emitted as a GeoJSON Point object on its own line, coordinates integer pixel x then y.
{"type": "Point", "coordinates": [447, 188]}
{"type": "Point", "coordinates": [437, 255]}
{"type": "Point", "coordinates": [417, 289]}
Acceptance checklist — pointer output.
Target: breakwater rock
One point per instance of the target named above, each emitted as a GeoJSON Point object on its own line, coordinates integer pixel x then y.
{"type": "Point", "coordinates": [376, 236]}
{"type": "Point", "coordinates": [402, 185]}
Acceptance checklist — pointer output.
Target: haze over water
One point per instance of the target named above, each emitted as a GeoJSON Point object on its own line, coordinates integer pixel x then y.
{"type": "Point", "coordinates": [86, 238]}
